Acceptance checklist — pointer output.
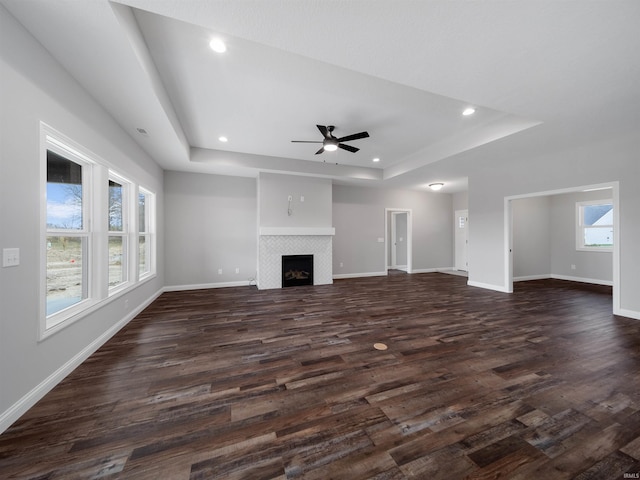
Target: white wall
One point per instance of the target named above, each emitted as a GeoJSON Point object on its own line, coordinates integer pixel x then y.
{"type": "Point", "coordinates": [460, 201]}
{"type": "Point", "coordinates": [313, 211]}
{"type": "Point", "coordinates": [531, 238]}
{"type": "Point", "coordinates": [35, 88]}
{"type": "Point", "coordinates": [594, 267]}
{"type": "Point", "coordinates": [211, 224]}
{"type": "Point", "coordinates": [359, 220]}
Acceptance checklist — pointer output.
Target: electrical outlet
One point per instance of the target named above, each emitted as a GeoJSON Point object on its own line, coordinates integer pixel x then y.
{"type": "Point", "coordinates": [237, 270]}
{"type": "Point", "coordinates": [301, 199]}
{"type": "Point", "coordinates": [219, 271]}
{"type": "Point", "coordinates": [380, 239]}
{"type": "Point", "coordinates": [341, 264]}
{"type": "Point", "coordinates": [573, 267]}
{"type": "Point", "coordinates": [10, 257]}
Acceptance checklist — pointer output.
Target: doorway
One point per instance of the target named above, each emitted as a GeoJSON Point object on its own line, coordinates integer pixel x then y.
{"type": "Point", "coordinates": [398, 245]}
{"type": "Point", "coordinates": [508, 234]}
{"type": "Point", "coordinates": [461, 222]}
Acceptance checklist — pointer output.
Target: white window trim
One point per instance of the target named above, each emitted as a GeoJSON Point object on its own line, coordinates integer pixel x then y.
{"type": "Point", "coordinates": [580, 227]}
{"type": "Point", "coordinates": [126, 234]}
{"type": "Point", "coordinates": [52, 140]}
{"type": "Point", "coordinates": [96, 214]}
{"type": "Point", "coordinates": [149, 234]}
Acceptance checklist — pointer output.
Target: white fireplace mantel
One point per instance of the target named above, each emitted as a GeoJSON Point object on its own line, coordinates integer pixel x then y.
{"type": "Point", "coordinates": [301, 231]}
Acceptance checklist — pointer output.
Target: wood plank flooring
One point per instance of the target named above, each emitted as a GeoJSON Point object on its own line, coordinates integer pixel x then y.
{"type": "Point", "coordinates": [237, 383]}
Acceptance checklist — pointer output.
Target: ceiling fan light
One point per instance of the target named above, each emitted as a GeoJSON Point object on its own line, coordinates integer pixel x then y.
{"type": "Point", "coordinates": [331, 147]}
{"type": "Point", "coordinates": [436, 186]}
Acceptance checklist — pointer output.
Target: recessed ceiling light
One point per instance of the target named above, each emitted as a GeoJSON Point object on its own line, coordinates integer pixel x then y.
{"type": "Point", "coordinates": [142, 131]}
{"type": "Point", "coordinates": [436, 186]}
{"type": "Point", "coordinates": [223, 139]}
{"type": "Point", "coordinates": [468, 111]}
{"type": "Point", "coordinates": [218, 45]}
{"type": "Point", "coordinates": [376, 160]}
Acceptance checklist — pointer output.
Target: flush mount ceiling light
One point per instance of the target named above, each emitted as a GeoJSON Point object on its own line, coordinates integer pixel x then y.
{"type": "Point", "coordinates": [218, 45]}
{"type": "Point", "coordinates": [223, 139]}
{"type": "Point", "coordinates": [376, 160]}
{"type": "Point", "coordinates": [436, 186]}
{"type": "Point", "coordinates": [468, 111]}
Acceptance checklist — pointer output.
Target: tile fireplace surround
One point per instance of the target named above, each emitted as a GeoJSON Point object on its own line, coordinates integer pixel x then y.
{"type": "Point", "coordinates": [274, 242]}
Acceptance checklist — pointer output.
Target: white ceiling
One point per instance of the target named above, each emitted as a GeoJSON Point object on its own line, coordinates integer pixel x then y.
{"type": "Point", "coordinates": [403, 70]}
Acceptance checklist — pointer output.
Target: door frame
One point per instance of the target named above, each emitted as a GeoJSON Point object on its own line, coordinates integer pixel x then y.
{"type": "Point", "coordinates": [387, 237]}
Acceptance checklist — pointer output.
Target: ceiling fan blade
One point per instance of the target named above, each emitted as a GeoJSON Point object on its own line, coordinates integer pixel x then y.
{"type": "Point", "coordinates": [355, 136]}
{"type": "Point", "coordinates": [324, 131]}
{"type": "Point", "coordinates": [348, 148]}
{"type": "Point", "coordinates": [320, 151]}
{"type": "Point", "coordinates": [304, 141]}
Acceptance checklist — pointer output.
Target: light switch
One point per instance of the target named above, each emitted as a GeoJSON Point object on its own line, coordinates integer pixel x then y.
{"type": "Point", "coordinates": [380, 239]}
{"type": "Point", "coordinates": [10, 257]}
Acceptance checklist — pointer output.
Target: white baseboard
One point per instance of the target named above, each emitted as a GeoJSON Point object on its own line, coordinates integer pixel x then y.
{"type": "Point", "coordinates": [427, 270]}
{"type": "Point", "coordinates": [595, 281]}
{"type": "Point", "coordinates": [488, 286]}
{"type": "Point", "coordinates": [19, 408]}
{"type": "Point", "coordinates": [627, 313]}
{"type": "Point", "coordinates": [526, 278]}
{"type": "Point", "coordinates": [202, 286]}
{"type": "Point", "coordinates": [359, 275]}
{"type": "Point", "coordinates": [384, 274]}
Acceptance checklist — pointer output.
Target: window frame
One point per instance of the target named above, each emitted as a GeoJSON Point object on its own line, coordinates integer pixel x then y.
{"type": "Point", "coordinates": [125, 234]}
{"type": "Point", "coordinates": [148, 234]}
{"type": "Point", "coordinates": [581, 227]}
{"type": "Point", "coordinates": [65, 147]}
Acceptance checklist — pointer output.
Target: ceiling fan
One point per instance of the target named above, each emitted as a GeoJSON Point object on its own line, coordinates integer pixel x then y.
{"type": "Point", "coordinates": [331, 143]}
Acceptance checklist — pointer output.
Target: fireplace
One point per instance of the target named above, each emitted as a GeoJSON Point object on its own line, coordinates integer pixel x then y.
{"type": "Point", "coordinates": [276, 242]}
{"type": "Point", "coordinates": [297, 270]}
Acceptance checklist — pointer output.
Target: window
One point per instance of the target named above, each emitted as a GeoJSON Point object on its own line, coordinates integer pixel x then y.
{"type": "Point", "coordinates": [146, 262]}
{"type": "Point", "coordinates": [594, 226]}
{"type": "Point", "coordinates": [68, 240]}
{"type": "Point", "coordinates": [90, 224]}
{"type": "Point", "coordinates": [118, 241]}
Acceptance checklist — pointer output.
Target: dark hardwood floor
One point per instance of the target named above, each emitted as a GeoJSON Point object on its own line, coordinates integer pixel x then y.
{"type": "Point", "coordinates": [237, 383]}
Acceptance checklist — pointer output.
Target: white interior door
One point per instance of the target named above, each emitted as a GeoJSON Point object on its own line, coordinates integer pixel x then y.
{"type": "Point", "coordinates": [461, 239]}
{"type": "Point", "coordinates": [399, 240]}
{"type": "Point", "coordinates": [397, 244]}
{"type": "Point", "coordinates": [394, 241]}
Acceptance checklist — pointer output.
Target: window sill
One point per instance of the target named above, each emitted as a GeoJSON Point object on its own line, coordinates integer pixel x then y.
{"type": "Point", "coordinates": [90, 308]}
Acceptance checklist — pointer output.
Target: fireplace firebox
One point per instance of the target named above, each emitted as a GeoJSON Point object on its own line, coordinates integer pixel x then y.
{"type": "Point", "coordinates": [297, 270]}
